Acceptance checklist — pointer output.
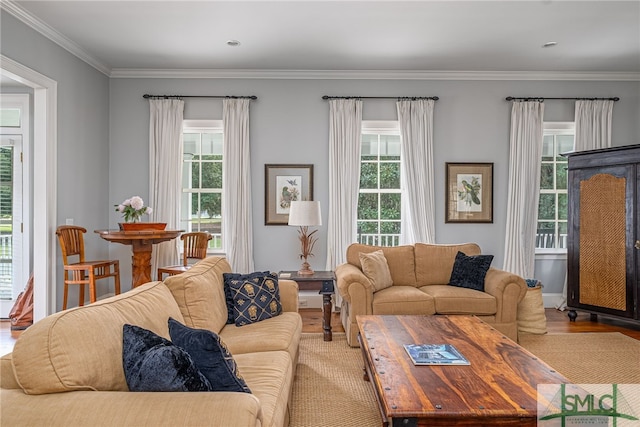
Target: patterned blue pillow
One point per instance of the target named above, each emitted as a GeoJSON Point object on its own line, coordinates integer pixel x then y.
{"type": "Point", "coordinates": [256, 299]}
{"type": "Point", "coordinates": [210, 355]}
{"type": "Point", "coordinates": [470, 271]}
{"type": "Point", "coordinates": [152, 363]}
{"type": "Point", "coordinates": [228, 295]}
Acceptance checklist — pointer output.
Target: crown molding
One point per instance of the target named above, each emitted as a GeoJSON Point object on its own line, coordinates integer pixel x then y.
{"type": "Point", "coordinates": [53, 35]}
{"type": "Point", "coordinates": [27, 18]}
{"type": "Point", "coordinates": [371, 74]}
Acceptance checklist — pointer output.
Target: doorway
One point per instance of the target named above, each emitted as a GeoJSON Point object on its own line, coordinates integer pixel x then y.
{"type": "Point", "coordinates": [15, 196]}
{"type": "Point", "coordinates": [43, 182]}
{"type": "Point", "coordinates": [10, 221]}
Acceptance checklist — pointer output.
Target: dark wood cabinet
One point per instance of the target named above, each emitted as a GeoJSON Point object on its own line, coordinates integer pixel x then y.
{"type": "Point", "coordinates": [603, 247]}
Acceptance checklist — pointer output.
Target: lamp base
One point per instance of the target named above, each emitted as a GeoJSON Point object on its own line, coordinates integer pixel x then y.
{"type": "Point", "coordinates": [306, 270]}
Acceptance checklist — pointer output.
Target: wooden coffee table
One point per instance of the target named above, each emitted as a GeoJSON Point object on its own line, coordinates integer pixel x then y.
{"type": "Point", "coordinates": [497, 388]}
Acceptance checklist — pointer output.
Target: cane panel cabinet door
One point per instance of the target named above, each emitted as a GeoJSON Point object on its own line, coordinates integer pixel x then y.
{"type": "Point", "coordinates": [603, 232]}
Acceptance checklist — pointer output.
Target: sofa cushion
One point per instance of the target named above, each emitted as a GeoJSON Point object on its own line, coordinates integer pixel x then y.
{"type": "Point", "coordinates": [152, 363]}
{"type": "Point", "coordinates": [402, 300]}
{"type": "Point", "coordinates": [270, 376]}
{"type": "Point", "coordinates": [454, 300]}
{"type": "Point", "coordinates": [434, 262]}
{"type": "Point", "coordinates": [199, 293]}
{"type": "Point", "coordinates": [470, 271]}
{"type": "Point", "coordinates": [81, 348]}
{"type": "Point", "coordinates": [278, 333]}
{"type": "Point", "coordinates": [210, 356]}
{"type": "Point", "coordinates": [256, 299]}
{"type": "Point", "coordinates": [399, 258]}
{"type": "Point", "coordinates": [375, 267]}
{"type": "Point", "coordinates": [228, 294]}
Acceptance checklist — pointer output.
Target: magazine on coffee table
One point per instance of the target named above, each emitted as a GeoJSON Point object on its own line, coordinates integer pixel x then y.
{"type": "Point", "coordinates": [435, 354]}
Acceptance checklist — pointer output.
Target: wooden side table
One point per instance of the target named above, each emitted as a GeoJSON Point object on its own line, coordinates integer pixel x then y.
{"type": "Point", "coordinates": [323, 282]}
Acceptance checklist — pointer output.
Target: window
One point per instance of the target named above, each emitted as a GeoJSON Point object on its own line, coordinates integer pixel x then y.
{"type": "Point", "coordinates": [380, 195]}
{"type": "Point", "coordinates": [202, 197]}
{"type": "Point", "coordinates": [552, 208]}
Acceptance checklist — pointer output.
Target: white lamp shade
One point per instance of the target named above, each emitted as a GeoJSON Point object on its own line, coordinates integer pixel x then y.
{"type": "Point", "coordinates": [305, 213]}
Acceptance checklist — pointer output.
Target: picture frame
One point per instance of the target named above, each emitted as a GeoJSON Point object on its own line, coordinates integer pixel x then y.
{"type": "Point", "coordinates": [469, 193]}
{"type": "Point", "coordinates": [283, 184]}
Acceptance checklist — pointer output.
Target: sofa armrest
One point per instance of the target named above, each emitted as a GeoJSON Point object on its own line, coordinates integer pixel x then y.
{"type": "Point", "coordinates": [288, 294]}
{"type": "Point", "coordinates": [7, 374]}
{"type": "Point", "coordinates": [111, 408]}
{"type": "Point", "coordinates": [508, 289]}
{"type": "Point", "coordinates": [351, 280]}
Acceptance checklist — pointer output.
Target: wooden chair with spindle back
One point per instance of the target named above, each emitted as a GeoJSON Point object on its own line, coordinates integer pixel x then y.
{"type": "Point", "coordinates": [83, 272]}
{"type": "Point", "coordinates": [195, 247]}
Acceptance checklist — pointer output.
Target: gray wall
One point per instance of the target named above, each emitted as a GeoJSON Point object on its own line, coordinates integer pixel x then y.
{"type": "Point", "coordinates": [83, 132]}
{"type": "Point", "coordinates": [289, 124]}
{"type": "Point", "coordinates": [103, 138]}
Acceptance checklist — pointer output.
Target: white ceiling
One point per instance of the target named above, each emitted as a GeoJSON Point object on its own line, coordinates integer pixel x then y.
{"type": "Point", "coordinates": [483, 36]}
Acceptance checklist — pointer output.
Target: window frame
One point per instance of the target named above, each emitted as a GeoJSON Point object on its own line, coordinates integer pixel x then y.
{"type": "Point", "coordinates": [202, 126]}
{"type": "Point", "coordinates": [555, 129]}
{"type": "Point", "coordinates": [381, 127]}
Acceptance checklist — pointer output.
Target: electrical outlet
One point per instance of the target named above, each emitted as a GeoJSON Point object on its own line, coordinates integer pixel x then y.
{"type": "Point", "coordinates": [69, 221]}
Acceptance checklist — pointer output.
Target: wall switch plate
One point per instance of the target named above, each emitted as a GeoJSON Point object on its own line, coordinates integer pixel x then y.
{"type": "Point", "coordinates": [69, 221]}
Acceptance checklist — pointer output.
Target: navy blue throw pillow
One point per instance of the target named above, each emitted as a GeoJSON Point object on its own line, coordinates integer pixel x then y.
{"type": "Point", "coordinates": [210, 355]}
{"type": "Point", "coordinates": [256, 299]}
{"type": "Point", "coordinates": [152, 363]}
{"type": "Point", "coordinates": [470, 271]}
{"type": "Point", "coordinates": [228, 295]}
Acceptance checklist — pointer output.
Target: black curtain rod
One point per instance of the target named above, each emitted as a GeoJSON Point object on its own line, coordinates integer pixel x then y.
{"type": "Point", "coordinates": [541, 98]}
{"type": "Point", "coordinates": [410, 98]}
{"type": "Point", "coordinates": [146, 96]}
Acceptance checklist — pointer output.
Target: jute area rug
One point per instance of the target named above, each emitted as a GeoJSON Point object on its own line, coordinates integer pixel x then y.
{"type": "Point", "coordinates": [329, 390]}
{"type": "Point", "coordinates": [590, 357]}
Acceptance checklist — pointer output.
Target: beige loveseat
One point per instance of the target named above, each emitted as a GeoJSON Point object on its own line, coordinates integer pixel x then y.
{"type": "Point", "coordinates": [421, 274]}
{"type": "Point", "coordinates": [67, 369]}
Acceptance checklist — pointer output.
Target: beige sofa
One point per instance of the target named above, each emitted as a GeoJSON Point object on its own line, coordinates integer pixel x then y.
{"type": "Point", "coordinates": [421, 274]}
{"type": "Point", "coordinates": [66, 370]}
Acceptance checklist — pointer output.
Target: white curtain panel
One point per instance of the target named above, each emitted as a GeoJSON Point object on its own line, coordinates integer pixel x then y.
{"type": "Point", "coordinates": [525, 153]}
{"type": "Point", "coordinates": [593, 124]}
{"type": "Point", "coordinates": [165, 166]}
{"type": "Point", "coordinates": [237, 234]}
{"type": "Point", "coordinates": [345, 127]}
{"type": "Point", "coordinates": [416, 131]}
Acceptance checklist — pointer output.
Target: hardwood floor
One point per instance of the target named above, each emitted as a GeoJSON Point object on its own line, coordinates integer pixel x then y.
{"type": "Point", "coordinates": [557, 322]}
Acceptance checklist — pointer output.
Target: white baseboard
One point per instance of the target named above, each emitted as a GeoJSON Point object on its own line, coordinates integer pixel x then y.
{"type": "Point", "coordinates": [552, 300]}
{"type": "Point", "coordinates": [309, 299]}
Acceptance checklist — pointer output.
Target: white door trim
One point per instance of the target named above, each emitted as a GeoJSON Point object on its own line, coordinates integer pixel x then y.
{"type": "Point", "coordinates": [45, 96]}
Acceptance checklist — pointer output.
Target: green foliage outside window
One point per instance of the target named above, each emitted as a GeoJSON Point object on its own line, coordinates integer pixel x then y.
{"type": "Point", "coordinates": [6, 181]}
{"type": "Point", "coordinates": [207, 174]}
{"type": "Point", "coordinates": [553, 203]}
{"type": "Point", "coordinates": [379, 201]}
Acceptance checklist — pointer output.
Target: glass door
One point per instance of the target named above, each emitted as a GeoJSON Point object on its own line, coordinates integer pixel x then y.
{"type": "Point", "coordinates": [11, 280]}
{"type": "Point", "coordinates": [14, 198]}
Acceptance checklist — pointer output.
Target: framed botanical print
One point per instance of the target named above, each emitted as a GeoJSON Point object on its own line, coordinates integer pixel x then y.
{"type": "Point", "coordinates": [283, 185]}
{"type": "Point", "coordinates": [469, 192]}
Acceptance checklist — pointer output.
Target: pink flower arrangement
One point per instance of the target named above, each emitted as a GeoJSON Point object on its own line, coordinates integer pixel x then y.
{"type": "Point", "coordinates": [132, 209]}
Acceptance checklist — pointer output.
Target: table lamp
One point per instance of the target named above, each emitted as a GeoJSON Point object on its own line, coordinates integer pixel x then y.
{"type": "Point", "coordinates": [305, 214]}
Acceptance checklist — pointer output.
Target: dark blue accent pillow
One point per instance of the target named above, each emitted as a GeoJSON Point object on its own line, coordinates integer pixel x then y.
{"type": "Point", "coordinates": [152, 363]}
{"type": "Point", "coordinates": [210, 356]}
{"type": "Point", "coordinates": [531, 283]}
{"type": "Point", "coordinates": [256, 299]}
{"type": "Point", "coordinates": [228, 295]}
{"type": "Point", "coordinates": [470, 271]}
